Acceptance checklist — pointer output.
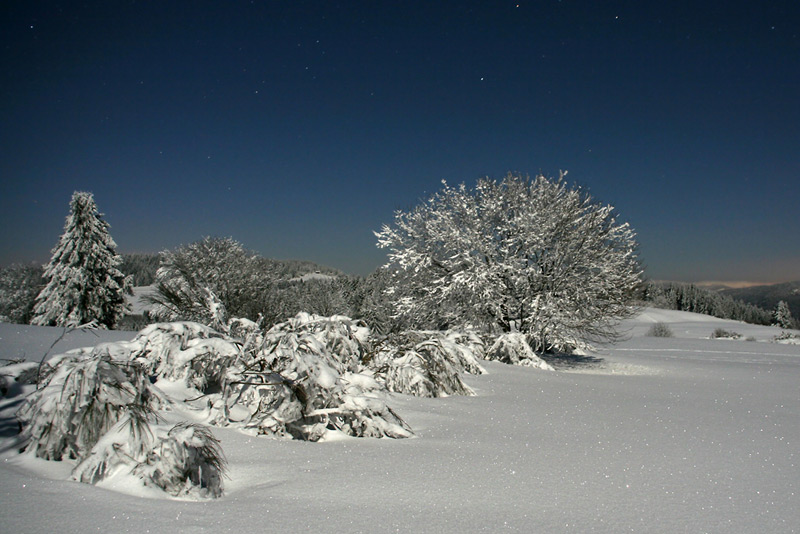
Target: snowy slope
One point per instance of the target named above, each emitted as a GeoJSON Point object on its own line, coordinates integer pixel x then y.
{"type": "Point", "coordinates": [683, 434]}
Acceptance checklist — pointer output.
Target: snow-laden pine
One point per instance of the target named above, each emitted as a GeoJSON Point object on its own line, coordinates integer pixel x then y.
{"type": "Point", "coordinates": [83, 282]}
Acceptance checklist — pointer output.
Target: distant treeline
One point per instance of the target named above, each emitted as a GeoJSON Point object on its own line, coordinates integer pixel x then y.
{"type": "Point", "coordinates": [142, 267]}
{"type": "Point", "coordinates": [689, 297]}
{"type": "Point", "coordinates": [19, 286]}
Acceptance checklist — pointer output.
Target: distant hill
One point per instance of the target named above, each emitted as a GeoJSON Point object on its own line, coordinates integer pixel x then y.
{"type": "Point", "coordinates": [767, 297]}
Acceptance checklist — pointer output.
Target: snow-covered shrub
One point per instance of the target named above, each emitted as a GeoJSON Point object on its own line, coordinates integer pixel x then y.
{"type": "Point", "coordinates": [660, 330]}
{"type": "Point", "coordinates": [303, 381]}
{"type": "Point", "coordinates": [120, 448]}
{"type": "Point", "coordinates": [721, 333]}
{"type": "Point", "coordinates": [188, 460]}
{"type": "Point", "coordinates": [185, 351]}
{"type": "Point", "coordinates": [466, 349]}
{"type": "Point", "coordinates": [80, 401]}
{"type": "Point", "coordinates": [344, 339]}
{"type": "Point", "coordinates": [424, 364]}
{"type": "Point", "coordinates": [513, 348]}
{"type": "Point", "coordinates": [787, 338]}
{"type": "Point", "coordinates": [184, 460]}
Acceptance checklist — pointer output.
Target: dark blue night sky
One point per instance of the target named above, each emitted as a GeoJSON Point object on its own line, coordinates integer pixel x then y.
{"type": "Point", "coordinates": [297, 128]}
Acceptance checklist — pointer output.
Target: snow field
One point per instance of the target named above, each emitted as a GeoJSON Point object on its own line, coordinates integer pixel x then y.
{"type": "Point", "coordinates": [683, 434]}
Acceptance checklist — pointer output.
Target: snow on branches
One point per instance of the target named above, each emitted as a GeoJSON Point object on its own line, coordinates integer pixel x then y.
{"type": "Point", "coordinates": [304, 381]}
{"type": "Point", "coordinates": [512, 348]}
{"type": "Point", "coordinates": [427, 364]}
{"type": "Point", "coordinates": [303, 378]}
{"type": "Point", "coordinates": [533, 256]}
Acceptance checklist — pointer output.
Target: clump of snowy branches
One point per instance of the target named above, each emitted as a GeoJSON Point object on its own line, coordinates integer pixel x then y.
{"type": "Point", "coordinates": [303, 378]}
{"type": "Point", "coordinates": [721, 333]}
{"type": "Point", "coordinates": [304, 381]}
{"type": "Point", "coordinates": [513, 348]}
{"type": "Point", "coordinates": [185, 460]}
{"type": "Point", "coordinates": [427, 364]}
{"type": "Point", "coordinates": [98, 406]}
{"type": "Point", "coordinates": [187, 351]}
{"type": "Point", "coordinates": [81, 400]}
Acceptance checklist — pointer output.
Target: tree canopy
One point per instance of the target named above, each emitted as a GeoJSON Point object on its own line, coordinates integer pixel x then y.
{"type": "Point", "coordinates": [519, 254]}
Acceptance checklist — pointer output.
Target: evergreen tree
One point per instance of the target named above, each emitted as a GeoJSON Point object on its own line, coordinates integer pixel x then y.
{"type": "Point", "coordinates": [83, 282]}
{"type": "Point", "coordinates": [782, 316]}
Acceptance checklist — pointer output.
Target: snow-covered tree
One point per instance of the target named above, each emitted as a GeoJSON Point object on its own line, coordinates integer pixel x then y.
{"type": "Point", "coordinates": [205, 281]}
{"type": "Point", "coordinates": [83, 281]}
{"type": "Point", "coordinates": [521, 254]}
{"type": "Point", "coordinates": [782, 316]}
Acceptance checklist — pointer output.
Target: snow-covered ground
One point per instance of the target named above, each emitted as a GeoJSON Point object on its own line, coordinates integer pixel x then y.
{"type": "Point", "coordinates": [681, 434]}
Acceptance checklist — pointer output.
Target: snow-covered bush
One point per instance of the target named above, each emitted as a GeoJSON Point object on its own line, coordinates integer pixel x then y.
{"type": "Point", "coordinates": [303, 381]}
{"type": "Point", "coordinates": [787, 338]}
{"type": "Point", "coordinates": [186, 351]}
{"type": "Point", "coordinates": [302, 378]}
{"type": "Point", "coordinates": [121, 448]}
{"type": "Point", "coordinates": [185, 460]}
{"type": "Point", "coordinates": [513, 348]}
{"type": "Point", "coordinates": [426, 364]}
{"type": "Point", "coordinates": [467, 349]}
{"type": "Point", "coordinates": [343, 339]}
{"type": "Point", "coordinates": [81, 400]}
{"type": "Point", "coordinates": [660, 330]}
{"type": "Point", "coordinates": [721, 333]}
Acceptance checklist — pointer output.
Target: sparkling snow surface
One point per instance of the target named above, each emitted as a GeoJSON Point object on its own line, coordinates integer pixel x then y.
{"type": "Point", "coordinates": [682, 434]}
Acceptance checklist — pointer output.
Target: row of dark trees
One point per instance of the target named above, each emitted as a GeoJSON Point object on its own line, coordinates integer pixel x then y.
{"type": "Point", "coordinates": [691, 298]}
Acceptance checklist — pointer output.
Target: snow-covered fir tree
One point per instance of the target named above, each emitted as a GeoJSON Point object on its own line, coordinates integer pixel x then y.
{"type": "Point", "coordinates": [83, 281]}
{"type": "Point", "coordinates": [782, 316]}
{"type": "Point", "coordinates": [533, 256]}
